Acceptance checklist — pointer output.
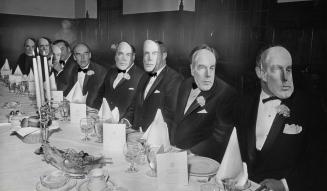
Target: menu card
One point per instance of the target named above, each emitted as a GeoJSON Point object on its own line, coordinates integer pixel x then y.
{"type": "Point", "coordinates": [57, 96]}
{"type": "Point", "coordinates": [77, 112]}
{"type": "Point", "coordinates": [172, 169]}
{"type": "Point", "coordinates": [114, 139]}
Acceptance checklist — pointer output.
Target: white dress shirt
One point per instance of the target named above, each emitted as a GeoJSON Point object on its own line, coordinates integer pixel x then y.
{"type": "Point", "coordinates": [265, 117]}
{"type": "Point", "coordinates": [120, 76]}
{"type": "Point", "coordinates": [81, 76]}
{"type": "Point", "coordinates": [193, 95]}
{"type": "Point", "coordinates": [151, 81]}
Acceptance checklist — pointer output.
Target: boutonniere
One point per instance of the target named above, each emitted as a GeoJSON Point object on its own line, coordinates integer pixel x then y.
{"type": "Point", "coordinates": [90, 72]}
{"type": "Point", "coordinates": [283, 110]}
{"type": "Point", "coordinates": [127, 76]}
{"type": "Point", "coordinates": [201, 101]}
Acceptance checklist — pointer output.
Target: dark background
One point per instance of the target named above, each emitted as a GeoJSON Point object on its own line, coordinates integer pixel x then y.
{"type": "Point", "coordinates": [236, 28]}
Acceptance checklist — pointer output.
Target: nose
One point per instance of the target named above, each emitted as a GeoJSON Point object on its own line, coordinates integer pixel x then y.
{"type": "Point", "coordinates": [208, 73]}
{"type": "Point", "coordinates": [285, 75]}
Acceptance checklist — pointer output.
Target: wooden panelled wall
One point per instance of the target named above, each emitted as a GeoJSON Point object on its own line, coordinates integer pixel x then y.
{"type": "Point", "coordinates": [236, 28]}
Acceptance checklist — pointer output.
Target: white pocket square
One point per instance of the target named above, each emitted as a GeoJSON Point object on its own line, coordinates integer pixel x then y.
{"type": "Point", "coordinates": [157, 91]}
{"type": "Point", "coordinates": [130, 88]}
{"type": "Point", "coordinates": [203, 111]}
{"type": "Point", "coordinates": [292, 129]}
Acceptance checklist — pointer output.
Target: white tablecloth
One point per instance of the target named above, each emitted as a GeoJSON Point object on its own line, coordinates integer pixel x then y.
{"type": "Point", "coordinates": [20, 168]}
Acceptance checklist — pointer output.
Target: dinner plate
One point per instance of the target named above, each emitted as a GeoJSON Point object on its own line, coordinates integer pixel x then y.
{"type": "Point", "coordinates": [238, 188]}
{"type": "Point", "coordinates": [202, 166]}
{"type": "Point", "coordinates": [83, 186]}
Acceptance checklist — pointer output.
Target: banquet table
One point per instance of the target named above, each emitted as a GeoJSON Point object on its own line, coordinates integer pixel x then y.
{"type": "Point", "coordinates": [20, 168]}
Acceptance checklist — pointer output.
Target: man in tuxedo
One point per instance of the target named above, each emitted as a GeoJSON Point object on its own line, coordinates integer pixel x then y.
{"type": "Point", "coordinates": [203, 119]}
{"type": "Point", "coordinates": [43, 45]}
{"type": "Point", "coordinates": [25, 60]}
{"type": "Point", "coordinates": [121, 82]}
{"type": "Point", "coordinates": [157, 88]}
{"type": "Point", "coordinates": [279, 129]}
{"type": "Point", "coordinates": [87, 73]}
{"type": "Point", "coordinates": [66, 59]}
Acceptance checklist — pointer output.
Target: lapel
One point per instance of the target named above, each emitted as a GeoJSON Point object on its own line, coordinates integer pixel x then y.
{"type": "Point", "coordinates": [156, 82]}
{"type": "Point", "coordinates": [86, 79]}
{"type": "Point", "coordinates": [112, 78]}
{"type": "Point", "coordinates": [205, 94]}
{"type": "Point", "coordinates": [276, 128]}
{"type": "Point", "coordinates": [252, 110]}
{"type": "Point", "coordinates": [184, 97]}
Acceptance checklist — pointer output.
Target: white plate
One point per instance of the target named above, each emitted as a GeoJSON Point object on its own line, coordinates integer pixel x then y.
{"type": "Point", "coordinates": [68, 186]}
{"type": "Point", "coordinates": [202, 166]}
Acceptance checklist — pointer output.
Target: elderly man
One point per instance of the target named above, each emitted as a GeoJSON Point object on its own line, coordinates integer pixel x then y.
{"type": "Point", "coordinates": [24, 61]}
{"type": "Point", "coordinates": [121, 82]}
{"type": "Point", "coordinates": [43, 45]}
{"type": "Point", "coordinates": [157, 88]}
{"type": "Point", "coordinates": [203, 119]}
{"type": "Point", "coordinates": [88, 74]}
{"type": "Point", "coordinates": [279, 129]}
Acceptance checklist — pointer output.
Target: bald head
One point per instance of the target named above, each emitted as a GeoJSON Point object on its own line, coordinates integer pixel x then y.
{"type": "Point", "coordinates": [274, 68]}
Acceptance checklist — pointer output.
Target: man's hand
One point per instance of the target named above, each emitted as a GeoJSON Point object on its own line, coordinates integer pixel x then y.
{"type": "Point", "coordinates": [126, 122]}
{"type": "Point", "coordinates": [273, 184]}
{"type": "Point", "coordinates": [57, 66]}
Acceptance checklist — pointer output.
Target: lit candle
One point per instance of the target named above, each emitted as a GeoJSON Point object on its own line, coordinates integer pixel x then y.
{"type": "Point", "coordinates": [37, 85]}
{"type": "Point", "coordinates": [47, 81]}
{"type": "Point", "coordinates": [38, 59]}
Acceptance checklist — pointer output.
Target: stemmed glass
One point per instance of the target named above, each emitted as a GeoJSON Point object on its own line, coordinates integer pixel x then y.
{"type": "Point", "coordinates": [152, 160]}
{"type": "Point", "coordinates": [64, 110]}
{"type": "Point", "coordinates": [87, 126]}
{"type": "Point", "coordinates": [131, 152]}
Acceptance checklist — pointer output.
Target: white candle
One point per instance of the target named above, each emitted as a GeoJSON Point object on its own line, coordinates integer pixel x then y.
{"type": "Point", "coordinates": [47, 81]}
{"type": "Point", "coordinates": [38, 59]}
{"type": "Point", "coordinates": [37, 85]}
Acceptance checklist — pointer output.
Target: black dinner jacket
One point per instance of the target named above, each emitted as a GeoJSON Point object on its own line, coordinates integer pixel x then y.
{"type": "Point", "coordinates": [162, 95]}
{"type": "Point", "coordinates": [122, 95]}
{"type": "Point", "coordinates": [25, 64]}
{"type": "Point", "coordinates": [207, 133]}
{"type": "Point", "coordinates": [295, 157]}
{"type": "Point", "coordinates": [61, 77]}
{"type": "Point", "coordinates": [91, 85]}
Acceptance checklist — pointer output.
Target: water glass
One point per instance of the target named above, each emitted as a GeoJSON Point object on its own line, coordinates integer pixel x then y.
{"type": "Point", "coordinates": [131, 152]}
{"type": "Point", "coordinates": [229, 184]}
{"type": "Point", "coordinates": [87, 126]}
{"type": "Point", "coordinates": [99, 130]}
{"type": "Point", "coordinates": [152, 160]}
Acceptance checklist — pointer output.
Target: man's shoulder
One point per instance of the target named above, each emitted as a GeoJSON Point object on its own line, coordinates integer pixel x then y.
{"type": "Point", "coordinates": [173, 74]}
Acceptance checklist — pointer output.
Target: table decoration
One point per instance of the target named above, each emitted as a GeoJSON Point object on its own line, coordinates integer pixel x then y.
{"type": "Point", "coordinates": [76, 164]}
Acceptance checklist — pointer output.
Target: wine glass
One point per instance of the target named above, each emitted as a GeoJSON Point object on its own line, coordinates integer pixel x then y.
{"type": "Point", "coordinates": [87, 126]}
{"type": "Point", "coordinates": [131, 152]}
{"type": "Point", "coordinates": [152, 160]}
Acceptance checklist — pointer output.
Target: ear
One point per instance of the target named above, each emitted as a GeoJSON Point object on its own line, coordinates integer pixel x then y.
{"type": "Point", "coordinates": [262, 75]}
{"type": "Point", "coordinates": [74, 57]}
{"type": "Point", "coordinates": [90, 56]}
{"type": "Point", "coordinates": [164, 55]}
{"type": "Point", "coordinates": [133, 57]}
{"type": "Point", "coordinates": [192, 69]}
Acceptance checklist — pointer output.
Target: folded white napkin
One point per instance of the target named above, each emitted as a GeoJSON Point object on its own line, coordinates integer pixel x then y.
{"type": "Point", "coordinates": [157, 133]}
{"type": "Point", "coordinates": [75, 95]}
{"type": "Point", "coordinates": [5, 70]}
{"type": "Point", "coordinates": [25, 78]}
{"type": "Point", "coordinates": [18, 71]}
{"type": "Point", "coordinates": [232, 165]}
{"type": "Point", "coordinates": [31, 76]}
{"type": "Point", "coordinates": [53, 84]}
{"type": "Point", "coordinates": [12, 79]}
{"type": "Point", "coordinates": [106, 113]}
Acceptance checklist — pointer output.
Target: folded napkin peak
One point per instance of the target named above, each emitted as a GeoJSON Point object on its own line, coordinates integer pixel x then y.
{"type": "Point", "coordinates": [107, 114]}
{"type": "Point", "coordinates": [75, 95]}
{"type": "Point", "coordinates": [18, 71]}
{"type": "Point", "coordinates": [53, 84]}
{"type": "Point", "coordinates": [5, 66]}
{"type": "Point", "coordinates": [232, 165]}
{"type": "Point", "coordinates": [31, 76]}
{"type": "Point", "coordinates": [157, 133]}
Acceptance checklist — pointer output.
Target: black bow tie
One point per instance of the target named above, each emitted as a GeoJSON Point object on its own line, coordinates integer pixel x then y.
{"type": "Point", "coordinates": [121, 71]}
{"type": "Point", "coordinates": [194, 86]}
{"type": "Point", "coordinates": [269, 99]}
{"type": "Point", "coordinates": [82, 70]}
{"type": "Point", "coordinates": [152, 74]}
{"type": "Point", "coordinates": [62, 62]}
